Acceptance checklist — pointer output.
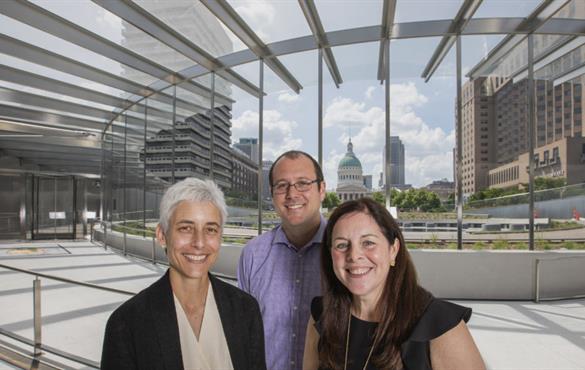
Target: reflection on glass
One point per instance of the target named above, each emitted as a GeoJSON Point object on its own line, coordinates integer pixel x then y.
{"type": "Point", "coordinates": [426, 10]}
{"type": "Point", "coordinates": [574, 9]}
{"type": "Point", "coordinates": [508, 8]}
{"type": "Point", "coordinates": [97, 20]}
{"type": "Point", "coordinates": [273, 20]}
{"type": "Point", "coordinates": [195, 22]}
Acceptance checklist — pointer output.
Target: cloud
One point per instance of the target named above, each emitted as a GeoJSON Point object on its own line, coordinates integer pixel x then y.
{"type": "Point", "coordinates": [287, 97]}
{"type": "Point", "coordinates": [330, 163]}
{"type": "Point", "coordinates": [370, 92]}
{"type": "Point", "coordinates": [278, 132]}
{"type": "Point", "coordinates": [259, 14]}
{"type": "Point", "coordinates": [427, 149]}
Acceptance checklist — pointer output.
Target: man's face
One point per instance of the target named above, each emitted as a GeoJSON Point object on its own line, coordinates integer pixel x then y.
{"type": "Point", "coordinates": [296, 208]}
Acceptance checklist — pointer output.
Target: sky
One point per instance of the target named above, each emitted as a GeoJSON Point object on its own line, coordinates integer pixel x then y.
{"type": "Point", "coordinates": [422, 114]}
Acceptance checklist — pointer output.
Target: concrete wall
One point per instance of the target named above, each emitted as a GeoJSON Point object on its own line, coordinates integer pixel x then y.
{"type": "Point", "coordinates": [489, 275]}
{"type": "Point", "coordinates": [500, 274]}
{"type": "Point", "coordinates": [556, 208]}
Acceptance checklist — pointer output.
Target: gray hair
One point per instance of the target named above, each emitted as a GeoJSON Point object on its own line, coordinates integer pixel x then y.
{"type": "Point", "coordinates": [191, 189]}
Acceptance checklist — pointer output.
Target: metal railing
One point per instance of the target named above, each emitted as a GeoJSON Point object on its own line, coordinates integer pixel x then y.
{"type": "Point", "coordinates": [538, 261]}
{"type": "Point", "coordinates": [36, 342]}
{"type": "Point", "coordinates": [522, 198]}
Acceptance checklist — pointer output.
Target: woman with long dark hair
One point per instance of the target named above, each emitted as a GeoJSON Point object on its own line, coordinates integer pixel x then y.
{"type": "Point", "coordinates": [373, 314]}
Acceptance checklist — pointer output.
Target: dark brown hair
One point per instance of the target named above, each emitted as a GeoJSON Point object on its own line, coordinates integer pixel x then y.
{"type": "Point", "coordinates": [401, 303]}
{"type": "Point", "coordinates": [294, 154]}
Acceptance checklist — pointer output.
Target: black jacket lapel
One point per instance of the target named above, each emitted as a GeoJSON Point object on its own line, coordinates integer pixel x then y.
{"type": "Point", "coordinates": [164, 319]}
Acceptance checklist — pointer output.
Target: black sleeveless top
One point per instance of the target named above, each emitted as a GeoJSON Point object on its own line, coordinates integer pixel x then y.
{"type": "Point", "coordinates": [438, 318]}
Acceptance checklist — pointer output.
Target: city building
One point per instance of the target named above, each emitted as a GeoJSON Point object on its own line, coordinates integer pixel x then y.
{"type": "Point", "coordinates": [249, 146]}
{"type": "Point", "coordinates": [443, 188]}
{"type": "Point", "coordinates": [244, 175]}
{"type": "Point", "coordinates": [397, 168]}
{"type": "Point", "coordinates": [477, 111]}
{"type": "Point", "coordinates": [368, 182]}
{"type": "Point", "coordinates": [350, 179]}
{"type": "Point", "coordinates": [191, 150]}
{"type": "Point", "coordinates": [495, 131]}
{"type": "Point", "coordinates": [562, 158]}
{"type": "Point", "coordinates": [266, 195]}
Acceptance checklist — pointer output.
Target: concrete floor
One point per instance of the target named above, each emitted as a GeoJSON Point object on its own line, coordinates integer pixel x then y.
{"type": "Point", "coordinates": [510, 335]}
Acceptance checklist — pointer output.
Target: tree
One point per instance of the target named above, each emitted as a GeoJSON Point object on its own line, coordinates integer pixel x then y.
{"type": "Point", "coordinates": [379, 197]}
{"type": "Point", "coordinates": [331, 200]}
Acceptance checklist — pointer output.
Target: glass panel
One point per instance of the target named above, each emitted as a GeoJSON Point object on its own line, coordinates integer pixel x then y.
{"type": "Point", "coordinates": [273, 20]}
{"type": "Point", "coordinates": [303, 67]}
{"type": "Point", "coordinates": [354, 111]}
{"type": "Point", "coordinates": [194, 21]}
{"type": "Point", "coordinates": [242, 196]}
{"type": "Point", "coordinates": [53, 207]}
{"type": "Point", "coordinates": [53, 95]}
{"type": "Point", "coordinates": [573, 10]}
{"type": "Point", "coordinates": [476, 49]}
{"type": "Point", "coordinates": [96, 19]}
{"type": "Point", "coordinates": [11, 196]}
{"type": "Point", "coordinates": [57, 75]}
{"type": "Point", "coordinates": [509, 8]}
{"type": "Point", "coordinates": [422, 140]}
{"type": "Point", "coordinates": [337, 15]}
{"type": "Point", "coordinates": [23, 32]}
{"type": "Point", "coordinates": [426, 10]}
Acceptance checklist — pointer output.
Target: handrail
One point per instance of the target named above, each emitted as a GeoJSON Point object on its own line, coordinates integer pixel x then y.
{"type": "Point", "coordinates": [36, 343]}
{"type": "Point", "coordinates": [50, 349]}
{"type": "Point", "coordinates": [65, 280]}
{"type": "Point", "coordinates": [537, 298]}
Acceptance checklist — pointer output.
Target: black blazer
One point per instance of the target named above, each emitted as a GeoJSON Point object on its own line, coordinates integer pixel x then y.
{"type": "Point", "coordinates": [143, 332]}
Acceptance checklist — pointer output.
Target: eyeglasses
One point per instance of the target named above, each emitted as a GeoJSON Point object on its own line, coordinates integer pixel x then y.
{"type": "Point", "coordinates": [301, 185]}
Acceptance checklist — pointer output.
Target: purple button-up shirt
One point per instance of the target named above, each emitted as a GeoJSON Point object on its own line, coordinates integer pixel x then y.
{"type": "Point", "coordinates": [284, 280]}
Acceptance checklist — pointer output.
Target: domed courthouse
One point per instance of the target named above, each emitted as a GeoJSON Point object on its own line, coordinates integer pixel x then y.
{"type": "Point", "coordinates": [350, 179]}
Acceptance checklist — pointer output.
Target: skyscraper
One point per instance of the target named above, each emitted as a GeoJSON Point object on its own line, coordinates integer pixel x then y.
{"type": "Point", "coordinates": [397, 177]}
{"type": "Point", "coordinates": [248, 145]}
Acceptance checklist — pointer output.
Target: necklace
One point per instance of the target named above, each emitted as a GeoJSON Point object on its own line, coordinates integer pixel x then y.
{"type": "Point", "coordinates": [347, 346]}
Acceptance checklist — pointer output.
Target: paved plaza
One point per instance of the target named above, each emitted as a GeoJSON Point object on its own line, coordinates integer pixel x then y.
{"type": "Point", "coordinates": [510, 334]}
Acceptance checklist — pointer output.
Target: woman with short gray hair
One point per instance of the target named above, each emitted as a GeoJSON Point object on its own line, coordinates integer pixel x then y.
{"type": "Point", "coordinates": [178, 322]}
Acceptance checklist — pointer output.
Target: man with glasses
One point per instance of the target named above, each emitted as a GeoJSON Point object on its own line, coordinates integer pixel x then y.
{"type": "Point", "coordinates": [280, 268]}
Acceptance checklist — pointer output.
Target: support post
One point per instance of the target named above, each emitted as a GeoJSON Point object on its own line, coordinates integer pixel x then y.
{"type": "Point", "coordinates": [459, 129]}
{"type": "Point", "coordinates": [144, 169]}
{"type": "Point", "coordinates": [174, 134]}
{"type": "Point", "coordinates": [124, 184]}
{"type": "Point", "coordinates": [531, 124]}
{"type": "Point", "coordinates": [37, 317]}
{"type": "Point", "coordinates": [260, 142]}
{"type": "Point", "coordinates": [320, 109]}
{"type": "Point", "coordinates": [212, 130]}
{"type": "Point", "coordinates": [388, 151]}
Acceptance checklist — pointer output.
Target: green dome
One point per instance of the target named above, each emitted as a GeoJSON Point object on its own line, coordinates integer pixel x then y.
{"type": "Point", "coordinates": [349, 160]}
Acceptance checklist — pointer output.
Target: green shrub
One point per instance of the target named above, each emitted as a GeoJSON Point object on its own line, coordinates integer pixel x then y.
{"type": "Point", "coordinates": [477, 246]}
{"type": "Point", "coordinates": [500, 244]}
